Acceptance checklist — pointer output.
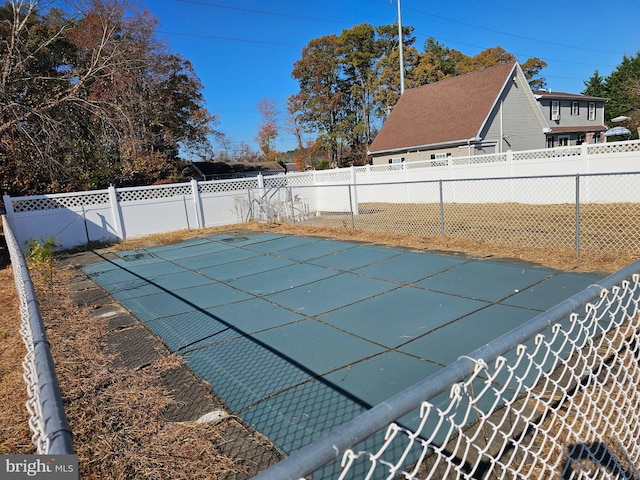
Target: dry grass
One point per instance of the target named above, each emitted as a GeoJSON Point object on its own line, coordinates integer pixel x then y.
{"type": "Point", "coordinates": [565, 259]}
{"type": "Point", "coordinates": [15, 437]}
{"type": "Point", "coordinates": [544, 234]}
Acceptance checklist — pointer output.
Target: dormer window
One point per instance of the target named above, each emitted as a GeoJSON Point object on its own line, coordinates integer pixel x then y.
{"type": "Point", "coordinates": [555, 110]}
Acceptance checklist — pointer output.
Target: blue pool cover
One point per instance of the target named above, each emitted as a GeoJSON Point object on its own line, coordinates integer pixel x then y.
{"type": "Point", "coordinates": [299, 335]}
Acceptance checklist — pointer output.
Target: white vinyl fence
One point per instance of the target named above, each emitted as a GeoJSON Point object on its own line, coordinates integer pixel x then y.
{"type": "Point", "coordinates": [112, 214]}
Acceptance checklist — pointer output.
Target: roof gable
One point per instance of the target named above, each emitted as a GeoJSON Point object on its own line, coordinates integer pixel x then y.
{"type": "Point", "coordinates": [451, 110]}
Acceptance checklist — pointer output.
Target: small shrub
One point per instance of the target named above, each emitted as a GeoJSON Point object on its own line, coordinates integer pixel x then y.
{"type": "Point", "coordinates": [40, 256]}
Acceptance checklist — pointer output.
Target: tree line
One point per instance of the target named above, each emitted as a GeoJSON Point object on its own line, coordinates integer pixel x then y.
{"type": "Point", "coordinates": [349, 83]}
{"type": "Point", "coordinates": [93, 98]}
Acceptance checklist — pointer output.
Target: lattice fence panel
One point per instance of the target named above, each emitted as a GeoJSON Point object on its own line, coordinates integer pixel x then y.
{"type": "Point", "coordinates": [544, 154]}
{"type": "Point", "coordinates": [296, 179]}
{"type": "Point", "coordinates": [335, 175]}
{"type": "Point", "coordinates": [154, 193]}
{"type": "Point", "coordinates": [614, 147]}
{"type": "Point", "coordinates": [387, 167]}
{"type": "Point", "coordinates": [218, 186]}
{"type": "Point", "coordinates": [38, 203]}
{"type": "Point", "coordinates": [275, 182]}
{"type": "Point", "coordinates": [479, 159]}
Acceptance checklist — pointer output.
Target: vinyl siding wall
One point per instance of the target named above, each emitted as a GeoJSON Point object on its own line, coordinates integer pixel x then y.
{"type": "Point", "coordinates": [568, 120]}
{"type": "Point", "coordinates": [522, 128]}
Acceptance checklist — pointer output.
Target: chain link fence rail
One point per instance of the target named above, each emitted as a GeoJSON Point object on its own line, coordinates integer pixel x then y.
{"type": "Point", "coordinates": [588, 212]}
{"type": "Point", "coordinates": [557, 397]}
{"type": "Point", "coordinates": [47, 420]}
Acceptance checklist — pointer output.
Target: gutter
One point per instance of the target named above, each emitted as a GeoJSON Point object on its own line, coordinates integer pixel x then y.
{"type": "Point", "coordinates": [429, 146]}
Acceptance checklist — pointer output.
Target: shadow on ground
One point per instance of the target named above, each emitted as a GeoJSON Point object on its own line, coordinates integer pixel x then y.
{"type": "Point", "coordinates": [133, 346]}
{"type": "Point", "coordinates": [4, 252]}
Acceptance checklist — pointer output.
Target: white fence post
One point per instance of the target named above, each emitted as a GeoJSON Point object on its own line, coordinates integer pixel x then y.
{"type": "Point", "coordinates": [8, 206]}
{"type": "Point", "coordinates": [117, 213]}
{"type": "Point", "coordinates": [510, 170]}
{"type": "Point", "coordinates": [197, 203]}
{"type": "Point", "coordinates": [584, 157]}
{"type": "Point", "coordinates": [354, 194]}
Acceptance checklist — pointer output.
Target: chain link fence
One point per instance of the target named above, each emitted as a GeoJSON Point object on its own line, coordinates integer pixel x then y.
{"type": "Point", "coordinates": [591, 213]}
{"type": "Point", "coordinates": [556, 398]}
{"type": "Point", "coordinates": [47, 419]}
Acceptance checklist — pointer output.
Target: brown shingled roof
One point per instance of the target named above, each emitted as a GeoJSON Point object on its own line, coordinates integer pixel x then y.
{"type": "Point", "coordinates": [450, 110]}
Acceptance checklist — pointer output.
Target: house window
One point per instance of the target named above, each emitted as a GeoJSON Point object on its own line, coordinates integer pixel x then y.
{"type": "Point", "coordinates": [592, 111]}
{"type": "Point", "coordinates": [563, 141]}
{"type": "Point", "coordinates": [550, 142]}
{"type": "Point", "coordinates": [555, 110]}
{"type": "Point", "coordinates": [575, 108]}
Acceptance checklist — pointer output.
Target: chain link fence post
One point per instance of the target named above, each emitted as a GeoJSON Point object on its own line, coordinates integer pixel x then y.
{"type": "Point", "coordinates": [577, 213]}
{"type": "Point", "coordinates": [441, 209]}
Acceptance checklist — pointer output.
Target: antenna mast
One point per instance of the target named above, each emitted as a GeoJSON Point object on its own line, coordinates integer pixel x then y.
{"type": "Point", "coordinates": [400, 49]}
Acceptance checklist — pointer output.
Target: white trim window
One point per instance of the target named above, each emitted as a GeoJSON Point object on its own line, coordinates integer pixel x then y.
{"type": "Point", "coordinates": [592, 111]}
{"type": "Point", "coordinates": [555, 110]}
{"type": "Point", "coordinates": [575, 108]}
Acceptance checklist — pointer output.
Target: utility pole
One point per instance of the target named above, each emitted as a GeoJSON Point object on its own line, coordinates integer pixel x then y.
{"type": "Point", "coordinates": [401, 48]}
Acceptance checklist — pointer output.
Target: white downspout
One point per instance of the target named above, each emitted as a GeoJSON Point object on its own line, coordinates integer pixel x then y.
{"type": "Point", "coordinates": [501, 128]}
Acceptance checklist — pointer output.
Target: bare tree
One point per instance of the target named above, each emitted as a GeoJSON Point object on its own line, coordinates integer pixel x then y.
{"type": "Point", "coordinates": [87, 97]}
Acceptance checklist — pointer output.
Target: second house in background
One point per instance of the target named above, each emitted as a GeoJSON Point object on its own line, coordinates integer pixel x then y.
{"type": "Point", "coordinates": [489, 111]}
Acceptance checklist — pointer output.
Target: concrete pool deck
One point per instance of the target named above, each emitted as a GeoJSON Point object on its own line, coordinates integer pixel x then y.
{"type": "Point", "coordinates": [300, 334]}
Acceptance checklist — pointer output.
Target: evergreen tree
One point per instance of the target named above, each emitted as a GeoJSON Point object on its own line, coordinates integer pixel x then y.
{"type": "Point", "coordinates": [622, 88]}
{"type": "Point", "coordinates": [595, 87]}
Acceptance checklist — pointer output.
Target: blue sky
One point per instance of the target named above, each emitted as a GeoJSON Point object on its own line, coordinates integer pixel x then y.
{"type": "Point", "coordinates": [243, 51]}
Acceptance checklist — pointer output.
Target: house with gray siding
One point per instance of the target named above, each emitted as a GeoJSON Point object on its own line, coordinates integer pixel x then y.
{"type": "Point", "coordinates": [488, 111]}
{"type": "Point", "coordinates": [573, 119]}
